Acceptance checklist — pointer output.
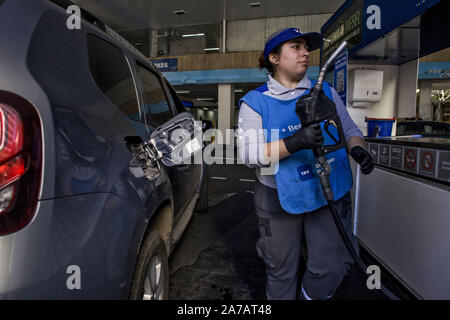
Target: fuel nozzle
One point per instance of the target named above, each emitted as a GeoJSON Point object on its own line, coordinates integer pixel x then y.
{"type": "Point", "coordinates": [316, 107]}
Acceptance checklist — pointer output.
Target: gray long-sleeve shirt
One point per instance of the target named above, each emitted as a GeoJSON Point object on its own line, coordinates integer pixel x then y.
{"type": "Point", "coordinates": [251, 150]}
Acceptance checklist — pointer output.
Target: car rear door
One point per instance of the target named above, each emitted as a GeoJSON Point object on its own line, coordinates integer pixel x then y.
{"type": "Point", "coordinates": [192, 176]}
{"type": "Point", "coordinates": [157, 111]}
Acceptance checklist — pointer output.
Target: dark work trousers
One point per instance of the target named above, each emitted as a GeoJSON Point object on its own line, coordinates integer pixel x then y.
{"type": "Point", "coordinates": [279, 245]}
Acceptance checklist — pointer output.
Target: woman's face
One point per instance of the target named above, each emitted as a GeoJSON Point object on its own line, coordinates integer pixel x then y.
{"type": "Point", "coordinates": [293, 61]}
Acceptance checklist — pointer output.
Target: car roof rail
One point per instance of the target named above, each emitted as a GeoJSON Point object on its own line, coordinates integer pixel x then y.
{"type": "Point", "coordinates": [123, 41]}
{"type": "Point", "coordinates": [99, 24]}
{"type": "Point", "coordinates": [89, 17]}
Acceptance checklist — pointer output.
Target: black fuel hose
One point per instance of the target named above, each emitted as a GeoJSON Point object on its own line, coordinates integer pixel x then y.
{"type": "Point", "coordinates": [323, 173]}
{"type": "Point", "coordinates": [325, 169]}
{"type": "Point", "coordinates": [362, 266]}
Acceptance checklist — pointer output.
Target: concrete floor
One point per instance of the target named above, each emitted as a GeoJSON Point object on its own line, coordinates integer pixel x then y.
{"type": "Point", "coordinates": [216, 258]}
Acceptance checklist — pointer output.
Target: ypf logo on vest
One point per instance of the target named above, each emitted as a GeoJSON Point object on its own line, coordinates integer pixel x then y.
{"type": "Point", "coordinates": [305, 172]}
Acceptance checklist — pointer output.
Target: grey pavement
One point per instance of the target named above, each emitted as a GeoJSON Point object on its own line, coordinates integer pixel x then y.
{"type": "Point", "coordinates": [216, 258]}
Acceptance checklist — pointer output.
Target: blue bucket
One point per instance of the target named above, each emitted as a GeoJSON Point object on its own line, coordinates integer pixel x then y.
{"type": "Point", "coordinates": [379, 127]}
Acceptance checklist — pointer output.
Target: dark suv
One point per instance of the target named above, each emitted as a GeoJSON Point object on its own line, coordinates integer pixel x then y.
{"type": "Point", "coordinates": [424, 128]}
{"type": "Point", "coordinates": [88, 206]}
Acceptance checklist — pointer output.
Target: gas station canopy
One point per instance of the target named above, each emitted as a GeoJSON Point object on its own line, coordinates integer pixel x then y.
{"type": "Point", "coordinates": [388, 32]}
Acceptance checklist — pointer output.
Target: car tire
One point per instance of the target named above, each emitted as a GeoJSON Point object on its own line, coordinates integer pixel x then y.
{"type": "Point", "coordinates": [151, 276]}
{"type": "Point", "coordinates": [202, 201]}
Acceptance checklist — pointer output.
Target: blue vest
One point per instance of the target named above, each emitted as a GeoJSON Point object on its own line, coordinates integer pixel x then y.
{"type": "Point", "coordinates": [298, 184]}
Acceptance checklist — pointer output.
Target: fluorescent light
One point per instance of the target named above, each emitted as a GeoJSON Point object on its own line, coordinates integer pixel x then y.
{"type": "Point", "coordinates": [205, 99]}
{"type": "Point", "coordinates": [255, 4]}
{"type": "Point", "coordinates": [211, 49]}
{"type": "Point", "coordinates": [193, 35]}
{"type": "Point", "coordinates": [183, 91]}
{"type": "Point", "coordinates": [180, 12]}
{"type": "Point", "coordinates": [239, 90]}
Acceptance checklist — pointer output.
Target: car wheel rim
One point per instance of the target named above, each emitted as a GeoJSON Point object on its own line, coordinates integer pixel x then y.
{"type": "Point", "coordinates": [154, 280]}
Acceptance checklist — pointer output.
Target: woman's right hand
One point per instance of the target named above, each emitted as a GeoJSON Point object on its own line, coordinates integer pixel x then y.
{"type": "Point", "coordinates": [305, 138]}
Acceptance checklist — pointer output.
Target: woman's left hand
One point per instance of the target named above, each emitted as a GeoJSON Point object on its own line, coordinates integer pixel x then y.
{"type": "Point", "coordinates": [364, 159]}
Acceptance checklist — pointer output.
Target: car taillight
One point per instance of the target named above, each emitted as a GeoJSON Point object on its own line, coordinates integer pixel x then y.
{"type": "Point", "coordinates": [20, 162]}
{"type": "Point", "coordinates": [11, 171]}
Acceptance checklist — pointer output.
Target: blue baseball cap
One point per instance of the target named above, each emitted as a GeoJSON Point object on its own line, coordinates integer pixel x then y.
{"type": "Point", "coordinates": [313, 39]}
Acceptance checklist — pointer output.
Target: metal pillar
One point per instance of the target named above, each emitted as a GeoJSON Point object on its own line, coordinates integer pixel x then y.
{"type": "Point", "coordinates": [153, 43]}
{"type": "Point", "coordinates": [407, 89]}
{"type": "Point", "coordinates": [425, 105]}
{"type": "Point", "coordinates": [226, 108]}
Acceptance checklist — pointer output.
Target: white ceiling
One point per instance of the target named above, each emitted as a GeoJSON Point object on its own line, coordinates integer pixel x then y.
{"type": "Point", "coordinates": [137, 14]}
{"type": "Point", "coordinates": [133, 18]}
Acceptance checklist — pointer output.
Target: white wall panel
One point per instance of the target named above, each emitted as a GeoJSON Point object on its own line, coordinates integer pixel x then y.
{"type": "Point", "coordinates": [248, 35]}
{"type": "Point", "coordinates": [386, 107]}
{"type": "Point", "coordinates": [406, 223]}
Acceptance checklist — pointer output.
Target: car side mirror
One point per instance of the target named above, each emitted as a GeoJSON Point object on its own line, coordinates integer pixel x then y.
{"type": "Point", "coordinates": [177, 140]}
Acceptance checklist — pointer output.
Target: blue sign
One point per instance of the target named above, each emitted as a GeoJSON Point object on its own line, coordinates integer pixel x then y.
{"type": "Point", "coordinates": [340, 76]}
{"type": "Point", "coordinates": [187, 104]}
{"type": "Point", "coordinates": [434, 70]}
{"type": "Point", "coordinates": [381, 16]}
{"type": "Point", "coordinates": [361, 22]}
{"type": "Point", "coordinates": [165, 65]}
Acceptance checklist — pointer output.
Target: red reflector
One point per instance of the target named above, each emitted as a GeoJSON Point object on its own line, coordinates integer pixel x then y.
{"type": "Point", "coordinates": [11, 136]}
{"type": "Point", "coordinates": [11, 171]}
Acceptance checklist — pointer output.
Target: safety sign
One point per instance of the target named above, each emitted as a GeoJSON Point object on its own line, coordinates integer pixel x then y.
{"type": "Point", "coordinates": [444, 166]}
{"type": "Point", "coordinates": [384, 154]}
{"type": "Point", "coordinates": [396, 157]}
{"type": "Point", "coordinates": [373, 150]}
{"type": "Point", "coordinates": [427, 163]}
{"type": "Point", "coordinates": [410, 160]}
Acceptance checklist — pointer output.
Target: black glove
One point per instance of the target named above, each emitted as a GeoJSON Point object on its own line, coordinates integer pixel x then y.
{"type": "Point", "coordinates": [363, 158]}
{"type": "Point", "coordinates": [305, 138]}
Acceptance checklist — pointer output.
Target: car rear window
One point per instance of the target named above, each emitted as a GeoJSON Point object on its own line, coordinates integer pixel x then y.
{"type": "Point", "coordinates": [175, 99]}
{"type": "Point", "coordinates": [113, 76]}
{"type": "Point", "coordinates": [421, 128]}
{"type": "Point", "coordinates": [410, 128]}
{"type": "Point", "coordinates": [439, 130]}
{"type": "Point", "coordinates": [156, 107]}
